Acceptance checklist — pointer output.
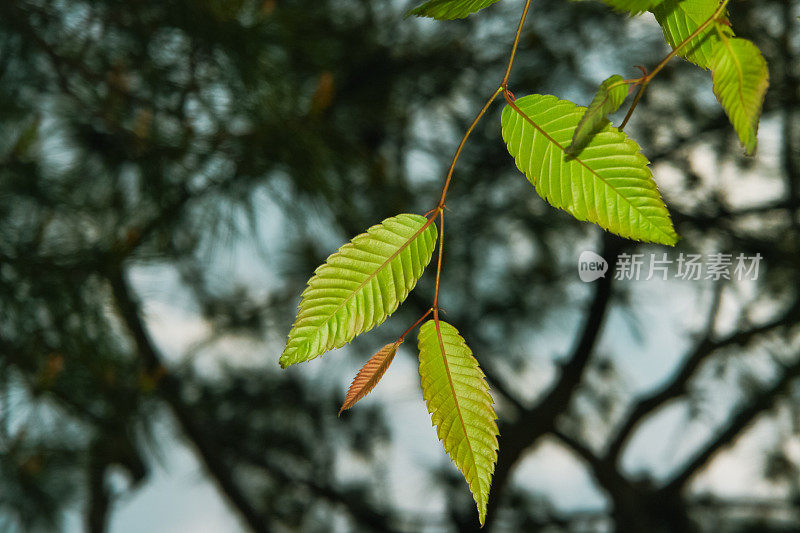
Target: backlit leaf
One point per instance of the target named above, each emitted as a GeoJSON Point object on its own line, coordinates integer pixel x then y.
{"type": "Point", "coordinates": [609, 97]}
{"type": "Point", "coordinates": [458, 399]}
{"type": "Point", "coordinates": [740, 76]}
{"type": "Point", "coordinates": [680, 18]}
{"type": "Point", "coordinates": [369, 375]}
{"type": "Point", "coordinates": [449, 9]}
{"type": "Point", "coordinates": [359, 286]}
{"type": "Point", "coordinates": [608, 182]}
{"type": "Point", "coordinates": [633, 7]}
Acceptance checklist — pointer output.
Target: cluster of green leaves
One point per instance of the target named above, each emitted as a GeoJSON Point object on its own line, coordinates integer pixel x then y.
{"type": "Point", "coordinates": [577, 161]}
{"type": "Point", "coordinates": [356, 289]}
{"type": "Point", "coordinates": [739, 71]}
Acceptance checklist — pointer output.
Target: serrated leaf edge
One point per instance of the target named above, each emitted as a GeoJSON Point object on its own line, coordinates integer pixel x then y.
{"type": "Point", "coordinates": [671, 238]}
{"type": "Point", "coordinates": [370, 277]}
{"type": "Point", "coordinates": [480, 500]}
{"type": "Point", "coordinates": [369, 375]}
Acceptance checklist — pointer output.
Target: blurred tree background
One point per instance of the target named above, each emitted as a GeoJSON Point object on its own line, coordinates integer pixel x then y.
{"type": "Point", "coordinates": [172, 173]}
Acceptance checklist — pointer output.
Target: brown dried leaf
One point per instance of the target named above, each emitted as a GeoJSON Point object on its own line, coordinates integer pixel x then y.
{"type": "Point", "coordinates": [369, 375]}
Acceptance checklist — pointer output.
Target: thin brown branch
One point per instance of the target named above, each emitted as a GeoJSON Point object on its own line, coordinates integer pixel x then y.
{"type": "Point", "coordinates": [438, 268]}
{"type": "Point", "coordinates": [647, 79]}
{"type": "Point", "coordinates": [463, 142]}
{"type": "Point", "coordinates": [448, 179]}
{"type": "Point", "coordinates": [414, 325]}
{"type": "Point", "coordinates": [516, 44]}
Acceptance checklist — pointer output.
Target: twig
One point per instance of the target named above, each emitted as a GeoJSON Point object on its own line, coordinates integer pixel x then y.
{"type": "Point", "coordinates": [648, 78]}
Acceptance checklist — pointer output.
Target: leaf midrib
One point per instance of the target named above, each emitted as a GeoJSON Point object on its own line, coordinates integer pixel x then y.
{"type": "Point", "coordinates": [455, 396]}
{"type": "Point", "coordinates": [372, 275]}
{"type": "Point", "coordinates": [739, 74]}
{"type": "Point", "coordinates": [694, 48]}
{"type": "Point", "coordinates": [370, 375]}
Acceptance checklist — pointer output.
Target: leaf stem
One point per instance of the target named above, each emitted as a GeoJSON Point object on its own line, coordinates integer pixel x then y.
{"type": "Point", "coordinates": [503, 87]}
{"type": "Point", "coordinates": [439, 209]}
{"type": "Point", "coordinates": [516, 43]}
{"type": "Point", "coordinates": [648, 78]}
{"type": "Point", "coordinates": [461, 147]}
{"type": "Point", "coordinates": [438, 265]}
{"type": "Point", "coordinates": [520, 112]}
{"type": "Point", "coordinates": [633, 105]}
{"type": "Point", "coordinates": [414, 325]}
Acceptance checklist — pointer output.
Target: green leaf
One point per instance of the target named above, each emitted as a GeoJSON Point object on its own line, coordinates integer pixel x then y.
{"type": "Point", "coordinates": [634, 7]}
{"type": "Point", "coordinates": [458, 399]}
{"type": "Point", "coordinates": [359, 286]}
{"type": "Point", "coordinates": [680, 18]}
{"type": "Point", "coordinates": [449, 9]}
{"type": "Point", "coordinates": [608, 182]}
{"type": "Point", "coordinates": [740, 76]}
{"type": "Point", "coordinates": [609, 97]}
